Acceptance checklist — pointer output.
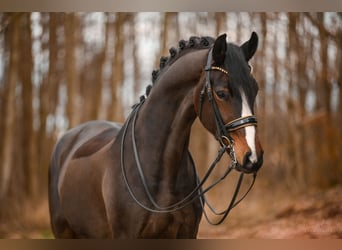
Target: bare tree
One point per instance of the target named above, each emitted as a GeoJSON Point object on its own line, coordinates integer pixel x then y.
{"type": "Point", "coordinates": [71, 28]}
{"type": "Point", "coordinates": [221, 22]}
{"type": "Point", "coordinates": [115, 113]}
{"type": "Point", "coordinates": [169, 32]}
{"type": "Point", "coordinates": [28, 137]}
{"type": "Point", "coordinates": [12, 31]}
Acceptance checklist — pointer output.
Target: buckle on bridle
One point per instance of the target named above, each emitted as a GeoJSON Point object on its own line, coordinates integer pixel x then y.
{"type": "Point", "coordinates": [226, 142]}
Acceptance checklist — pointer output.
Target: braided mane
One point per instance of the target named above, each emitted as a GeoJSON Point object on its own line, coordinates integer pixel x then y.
{"type": "Point", "coordinates": [184, 47]}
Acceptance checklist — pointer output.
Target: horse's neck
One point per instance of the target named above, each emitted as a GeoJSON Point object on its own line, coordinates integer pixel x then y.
{"type": "Point", "coordinates": [165, 119]}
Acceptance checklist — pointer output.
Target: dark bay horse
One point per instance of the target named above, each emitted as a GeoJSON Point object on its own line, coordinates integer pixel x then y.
{"type": "Point", "coordinates": [108, 180]}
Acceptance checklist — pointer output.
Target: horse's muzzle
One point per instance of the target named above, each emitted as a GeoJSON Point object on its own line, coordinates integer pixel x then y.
{"type": "Point", "coordinates": [248, 166]}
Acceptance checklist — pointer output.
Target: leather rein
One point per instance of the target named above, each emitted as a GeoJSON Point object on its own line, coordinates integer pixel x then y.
{"type": "Point", "coordinates": [227, 145]}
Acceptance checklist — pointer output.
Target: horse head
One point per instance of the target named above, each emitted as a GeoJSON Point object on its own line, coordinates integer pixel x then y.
{"type": "Point", "coordinates": [224, 101]}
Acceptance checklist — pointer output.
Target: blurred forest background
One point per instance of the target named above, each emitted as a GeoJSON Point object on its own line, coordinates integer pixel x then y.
{"type": "Point", "coordinates": [61, 69]}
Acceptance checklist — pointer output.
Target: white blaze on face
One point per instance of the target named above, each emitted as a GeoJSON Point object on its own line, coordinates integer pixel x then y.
{"type": "Point", "coordinates": [250, 130]}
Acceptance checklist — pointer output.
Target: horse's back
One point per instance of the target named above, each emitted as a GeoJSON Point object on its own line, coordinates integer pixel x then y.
{"type": "Point", "coordinates": [75, 178]}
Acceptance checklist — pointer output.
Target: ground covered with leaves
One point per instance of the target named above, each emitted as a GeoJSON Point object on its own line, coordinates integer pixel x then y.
{"type": "Point", "coordinates": [280, 215]}
{"type": "Point", "coordinates": [264, 214]}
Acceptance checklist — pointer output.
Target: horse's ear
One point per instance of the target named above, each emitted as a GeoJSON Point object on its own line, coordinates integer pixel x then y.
{"type": "Point", "coordinates": [219, 50]}
{"type": "Point", "coordinates": [250, 46]}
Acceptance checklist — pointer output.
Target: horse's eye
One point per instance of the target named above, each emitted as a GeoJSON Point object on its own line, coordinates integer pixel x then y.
{"type": "Point", "coordinates": [221, 94]}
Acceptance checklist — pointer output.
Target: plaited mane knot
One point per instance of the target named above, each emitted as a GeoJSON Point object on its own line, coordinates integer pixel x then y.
{"type": "Point", "coordinates": [163, 61]}
{"type": "Point", "coordinates": [181, 44]}
{"type": "Point", "coordinates": [148, 89]}
{"type": "Point", "coordinates": [142, 98]}
{"type": "Point", "coordinates": [173, 52]}
{"type": "Point", "coordinates": [155, 75]}
{"type": "Point", "coordinates": [192, 41]}
{"type": "Point", "coordinates": [204, 42]}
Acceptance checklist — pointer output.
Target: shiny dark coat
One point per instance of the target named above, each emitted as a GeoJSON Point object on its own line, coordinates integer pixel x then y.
{"type": "Point", "coordinates": [87, 195]}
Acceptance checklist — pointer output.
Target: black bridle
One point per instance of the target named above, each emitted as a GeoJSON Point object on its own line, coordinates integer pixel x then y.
{"type": "Point", "coordinates": [227, 144]}
{"type": "Point", "coordinates": [222, 129]}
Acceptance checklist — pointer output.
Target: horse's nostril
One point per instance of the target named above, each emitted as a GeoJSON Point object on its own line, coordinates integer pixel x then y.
{"type": "Point", "coordinates": [249, 165]}
{"type": "Point", "coordinates": [246, 161]}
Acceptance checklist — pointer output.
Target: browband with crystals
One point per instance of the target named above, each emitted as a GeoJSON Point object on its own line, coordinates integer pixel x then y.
{"type": "Point", "coordinates": [219, 69]}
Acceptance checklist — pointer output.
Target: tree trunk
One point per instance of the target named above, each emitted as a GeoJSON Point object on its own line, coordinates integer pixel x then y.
{"type": "Point", "coordinates": [324, 82]}
{"type": "Point", "coordinates": [28, 135]}
{"type": "Point", "coordinates": [10, 106]}
{"type": "Point", "coordinates": [220, 21]}
{"type": "Point", "coordinates": [98, 83]}
{"type": "Point", "coordinates": [325, 86]}
{"type": "Point", "coordinates": [169, 32]}
{"type": "Point", "coordinates": [136, 63]}
{"type": "Point", "coordinates": [48, 93]}
{"type": "Point", "coordinates": [70, 29]}
{"type": "Point", "coordinates": [115, 113]}
{"type": "Point", "coordinates": [294, 150]}
{"type": "Point", "coordinates": [339, 68]}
